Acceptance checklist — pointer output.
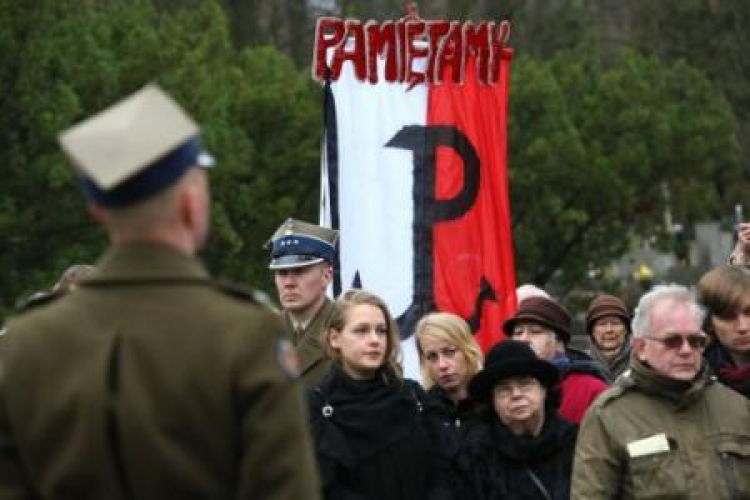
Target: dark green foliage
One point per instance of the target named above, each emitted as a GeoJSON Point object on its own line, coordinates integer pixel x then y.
{"type": "Point", "coordinates": [593, 147]}
{"type": "Point", "coordinates": [64, 60]}
{"type": "Point", "coordinates": [652, 97]}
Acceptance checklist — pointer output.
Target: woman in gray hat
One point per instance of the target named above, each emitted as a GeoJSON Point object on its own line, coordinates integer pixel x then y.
{"type": "Point", "coordinates": [523, 449]}
{"type": "Point", "coordinates": [608, 325]}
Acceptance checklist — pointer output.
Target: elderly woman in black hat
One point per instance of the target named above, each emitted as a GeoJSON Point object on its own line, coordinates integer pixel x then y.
{"type": "Point", "coordinates": [523, 449]}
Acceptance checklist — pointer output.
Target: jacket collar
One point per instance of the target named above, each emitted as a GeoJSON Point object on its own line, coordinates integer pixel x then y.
{"type": "Point", "coordinates": [681, 392]}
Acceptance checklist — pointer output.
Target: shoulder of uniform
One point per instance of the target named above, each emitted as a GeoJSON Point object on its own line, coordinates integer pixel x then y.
{"type": "Point", "coordinates": [37, 300]}
{"type": "Point", "coordinates": [245, 293]}
{"type": "Point", "coordinates": [621, 387]}
{"type": "Point", "coordinates": [328, 306]}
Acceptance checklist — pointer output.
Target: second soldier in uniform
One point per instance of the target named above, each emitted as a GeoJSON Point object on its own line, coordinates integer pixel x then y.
{"type": "Point", "coordinates": [302, 256]}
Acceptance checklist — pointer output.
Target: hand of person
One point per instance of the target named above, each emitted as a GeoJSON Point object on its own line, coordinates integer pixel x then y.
{"type": "Point", "coordinates": [743, 237]}
{"type": "Point", "coordinates": [741, 253]}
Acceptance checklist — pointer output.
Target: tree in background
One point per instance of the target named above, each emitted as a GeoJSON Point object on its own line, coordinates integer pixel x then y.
{"type": "Point", "coordinates": [591, 145]}
{"type": "Point", "coordinates": [713, 36]}
{"type": "Point", "coordinates": [66, 59]}
{"type": "Point", "coordinates": [654, 94]}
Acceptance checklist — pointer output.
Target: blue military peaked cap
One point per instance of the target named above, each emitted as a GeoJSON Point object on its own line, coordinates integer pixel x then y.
{"type": "Point", "coordinates": [134, 149]}
{"type": "Point", "coordinates": [296, 244]}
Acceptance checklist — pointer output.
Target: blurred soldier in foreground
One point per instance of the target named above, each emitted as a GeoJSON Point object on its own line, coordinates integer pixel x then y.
{"type": "Point", "coordinates": [667, 428]}
{"type": "Point", "coordinates": [149, 380]}
{"type": "Point", "coordinates": [302, 255]}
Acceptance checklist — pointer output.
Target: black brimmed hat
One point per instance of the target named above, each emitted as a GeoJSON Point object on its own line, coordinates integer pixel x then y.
{"type": "Point", "coordinates": [508, 359]}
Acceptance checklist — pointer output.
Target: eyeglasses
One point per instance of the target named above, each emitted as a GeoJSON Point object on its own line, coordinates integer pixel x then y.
{"type": "Point", "coordinates": [695, 341]}
{"type": "Point", "coordinates": [446, 352]}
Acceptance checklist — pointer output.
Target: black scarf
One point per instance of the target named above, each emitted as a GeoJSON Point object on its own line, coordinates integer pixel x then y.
{"type": "Point", "coordinates": [555, 435]}
{"type": "Point", "coordinates": [500, 464]}
{"type": "Point", "coordinates": [355, 419]}
{"type": "Point", "coordinates": [721, 363]}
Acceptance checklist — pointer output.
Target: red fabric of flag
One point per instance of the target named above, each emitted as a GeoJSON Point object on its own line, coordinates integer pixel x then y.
{"type": "Point", "coordinates": [473, 268]}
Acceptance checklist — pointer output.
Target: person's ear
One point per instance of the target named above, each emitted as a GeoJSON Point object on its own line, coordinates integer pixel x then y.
{"type": "Point", "coordinates": [97, 213]}
{"type": "Point", "coordinates": [328, 273]}
{"type": "Point", "coordinates": [193, 206]}
{"type": "Point", "coordinates": [334, 338]}
{"type": "Point", "coordinates": [187, 207]}
{"type": "Point", "coordinates": [638, 346]}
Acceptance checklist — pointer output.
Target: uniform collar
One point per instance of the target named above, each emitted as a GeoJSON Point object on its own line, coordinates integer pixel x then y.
{"type": "Point", "coordinates": [152, 261]}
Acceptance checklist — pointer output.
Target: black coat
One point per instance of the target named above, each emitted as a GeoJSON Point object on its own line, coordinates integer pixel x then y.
{"type": "Point", "coordinates": [377, 439]}
{"type": "Point", "coordinates": [497, 465]}
{"type": "Point", "coordinates": [457, 419]}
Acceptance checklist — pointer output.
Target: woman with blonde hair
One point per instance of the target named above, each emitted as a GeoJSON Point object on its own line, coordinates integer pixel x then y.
{"type": "Point", "coordinates": [448, 358]}
{"type": "Point", "coordinates": [376, 434]}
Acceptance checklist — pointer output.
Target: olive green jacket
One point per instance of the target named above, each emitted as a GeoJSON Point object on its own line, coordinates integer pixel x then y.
{"type": "Point", "coordinates": [150, 381]}
{"type": "Point", "coordinates": [313, 362]}
{"type": "Point", "coordinates": [650, 436]}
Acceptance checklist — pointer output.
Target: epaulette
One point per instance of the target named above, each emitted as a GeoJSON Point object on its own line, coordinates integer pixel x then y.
{"type": "Point", "coordinates": [246, 293]}
{"type": "Point", "coordinates": [37, 300]}
{"type": "Point", "coordinates": [621, 386]}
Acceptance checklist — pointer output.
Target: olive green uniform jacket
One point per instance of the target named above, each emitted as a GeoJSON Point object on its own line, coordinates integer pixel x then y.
{"type": "Point", "coordinates": [151, 382]}
{"type": "Point", "coordinates": [313, 361]}
{"type": "Point", "coordinates": [650, 436]}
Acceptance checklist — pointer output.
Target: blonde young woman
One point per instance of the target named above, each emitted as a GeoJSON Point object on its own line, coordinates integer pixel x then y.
{"type": "Point", "coordinates": [449, 357]}
{"type": "Point", "coordinates": [376, 434]}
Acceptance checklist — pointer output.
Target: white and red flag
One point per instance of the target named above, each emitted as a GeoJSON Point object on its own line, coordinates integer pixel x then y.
{"type": "Point", "coordinates": [415, 179]}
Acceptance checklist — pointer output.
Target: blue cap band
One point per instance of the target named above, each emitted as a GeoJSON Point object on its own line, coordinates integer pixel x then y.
{"type": "Point", "coordinates": [295, 244]}
{"type": "Point", "coordinates": [154, 178]}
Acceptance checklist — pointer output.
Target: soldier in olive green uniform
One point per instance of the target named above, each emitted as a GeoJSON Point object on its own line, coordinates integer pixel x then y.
{"type": "Point", "coordinates": [302, 255]}
{"type": "Point", "coordinates": [149, 380]}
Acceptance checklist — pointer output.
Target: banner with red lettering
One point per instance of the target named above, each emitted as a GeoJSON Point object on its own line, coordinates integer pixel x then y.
{"type": "Point", "coordinates": [414, 176]}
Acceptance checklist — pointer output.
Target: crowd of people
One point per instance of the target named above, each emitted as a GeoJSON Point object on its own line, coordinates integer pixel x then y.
{"type": "Point", "coordinates": [141, 377]}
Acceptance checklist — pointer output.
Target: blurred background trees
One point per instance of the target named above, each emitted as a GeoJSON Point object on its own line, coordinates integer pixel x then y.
{"type": "Point", "coordinates": [618, 107]}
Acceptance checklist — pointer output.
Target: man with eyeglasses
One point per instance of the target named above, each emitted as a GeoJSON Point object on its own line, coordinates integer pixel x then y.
{"type": "Point", "coordinates": [667, 428]}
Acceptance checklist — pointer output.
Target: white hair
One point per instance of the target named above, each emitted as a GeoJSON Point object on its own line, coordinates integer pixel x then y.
{"type": "Point", "coordinates": [675, 294]}
{"type": "Point", "coordinates": [528, 290]}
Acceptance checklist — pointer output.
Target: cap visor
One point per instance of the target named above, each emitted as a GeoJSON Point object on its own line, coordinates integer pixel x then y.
{"type": "Point", "coordinates": [293, 261]}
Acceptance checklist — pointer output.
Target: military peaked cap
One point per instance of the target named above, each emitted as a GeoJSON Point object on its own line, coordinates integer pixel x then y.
{"type": "Point", "coordinates": [134, 149]}
{"type": "Point", "coordinates": [296, 244]}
